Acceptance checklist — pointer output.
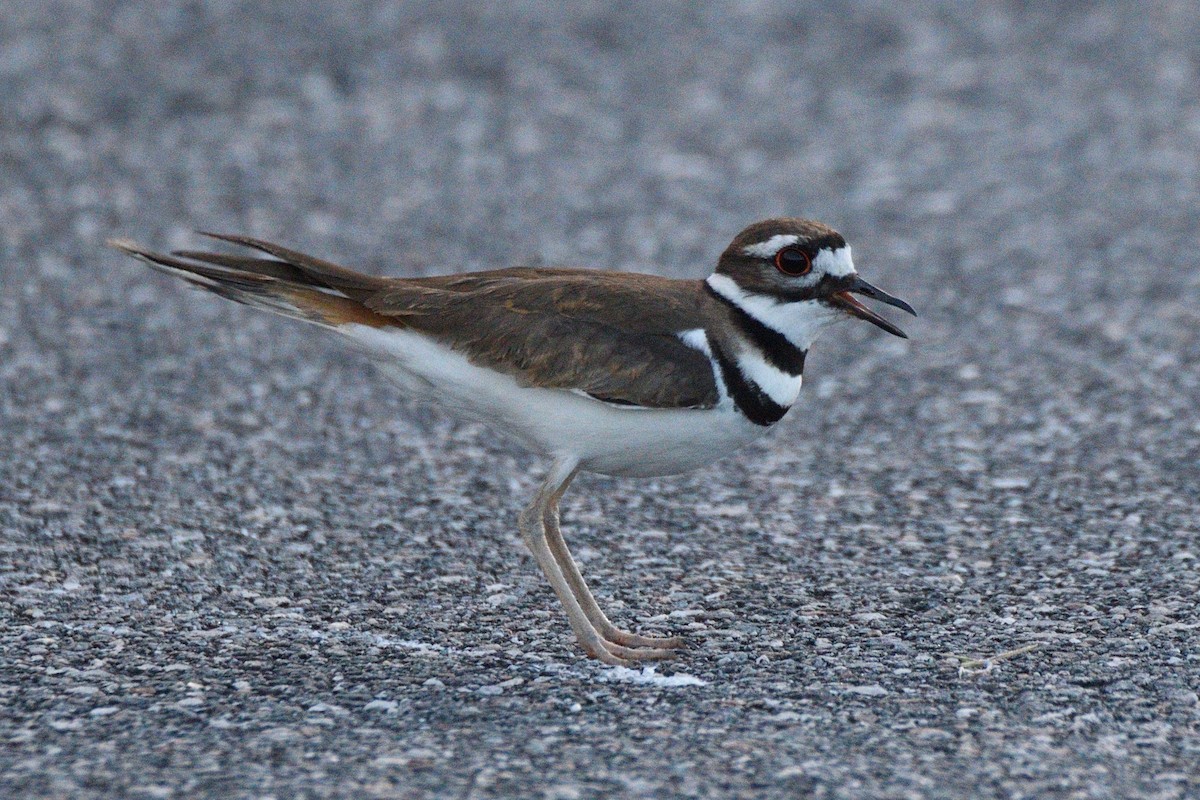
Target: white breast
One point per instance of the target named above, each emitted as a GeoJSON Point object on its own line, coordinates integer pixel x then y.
{"type": "Point", "coordinates": [612, 440]}
{"type": "Point", "coordinates": [778, 385]}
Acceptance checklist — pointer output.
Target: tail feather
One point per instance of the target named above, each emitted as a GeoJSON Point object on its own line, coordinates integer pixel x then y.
{"type": "Point", "coordinates": [258, 266]}
{"type": "Point", "coordinates": [276, 286]}
{"type": "Point", "coordinates": [317, 269]}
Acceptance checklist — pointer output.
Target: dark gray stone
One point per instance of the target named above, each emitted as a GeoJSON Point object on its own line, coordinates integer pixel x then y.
{"type": "Point", "coordinates": [236, 564]}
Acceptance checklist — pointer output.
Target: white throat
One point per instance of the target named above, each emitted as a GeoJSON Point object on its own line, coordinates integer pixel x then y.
{"type": "Point", "coordinates": [800, 321]}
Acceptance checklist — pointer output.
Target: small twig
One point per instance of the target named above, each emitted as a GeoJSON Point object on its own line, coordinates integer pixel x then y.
{"type": "Point", "coordinates": [967, 664]}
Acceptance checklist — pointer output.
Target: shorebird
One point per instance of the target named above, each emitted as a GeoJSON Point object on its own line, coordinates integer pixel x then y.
{"type": "Point", "coordinates": [610, 372]}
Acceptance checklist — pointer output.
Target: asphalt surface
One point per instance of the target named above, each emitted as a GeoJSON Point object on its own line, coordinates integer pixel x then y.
{"type": "Point", "coordinates": [235, 563]}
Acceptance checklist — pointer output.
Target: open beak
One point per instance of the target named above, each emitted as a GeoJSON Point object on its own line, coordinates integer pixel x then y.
{"type": "Point", "coordinates": [846, 301]}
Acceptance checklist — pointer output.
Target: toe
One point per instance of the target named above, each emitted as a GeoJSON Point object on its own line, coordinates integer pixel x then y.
{"type": "Point", "coordinates": [635, 640]}
{"type": "Point", "coordinates": [640, 653]}
{"type": "Point", "coordinates": [605, 651]}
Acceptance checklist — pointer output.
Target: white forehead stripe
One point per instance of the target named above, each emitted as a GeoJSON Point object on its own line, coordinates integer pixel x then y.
{"type": "Point", "coordinates": [837, 263]}
{"type": "Point", "coordinates": [771, 246]}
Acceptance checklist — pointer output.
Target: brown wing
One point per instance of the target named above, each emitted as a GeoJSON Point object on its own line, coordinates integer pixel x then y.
{"type": "Point", "coordinates": [611, 335]}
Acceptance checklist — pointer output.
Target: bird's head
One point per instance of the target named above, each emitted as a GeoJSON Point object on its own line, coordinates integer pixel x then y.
{"type": "Point", "coordinates": [800, 269]}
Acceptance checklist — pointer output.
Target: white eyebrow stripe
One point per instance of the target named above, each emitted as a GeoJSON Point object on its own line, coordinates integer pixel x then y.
{"type": "Point", "coordinates": [837, 263]}
{"type": "Point", "coordinates": [771, 246]}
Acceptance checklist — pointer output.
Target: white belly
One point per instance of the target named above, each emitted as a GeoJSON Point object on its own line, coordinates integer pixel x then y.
{"type": "Point", "coordinates": [611, 440]}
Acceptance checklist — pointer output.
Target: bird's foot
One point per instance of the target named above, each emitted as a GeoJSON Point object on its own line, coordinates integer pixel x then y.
{"type": "Point", "coordinates": [620, 656]}
{"type": "Point", "coordinates": [618, 636]}
{"type": "Point", "coordinates": [621, 648]}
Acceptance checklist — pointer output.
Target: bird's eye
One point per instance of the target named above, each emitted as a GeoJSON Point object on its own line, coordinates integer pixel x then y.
{"type": "Point", "coordinates": [793, 261]}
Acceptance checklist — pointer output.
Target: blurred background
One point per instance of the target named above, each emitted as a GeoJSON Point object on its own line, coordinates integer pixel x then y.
{"type": "Point", "coordinates": [214, 522]}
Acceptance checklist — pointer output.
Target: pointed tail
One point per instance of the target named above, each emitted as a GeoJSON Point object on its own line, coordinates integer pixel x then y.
{"type": "Point", "coordinates": [291, 284]}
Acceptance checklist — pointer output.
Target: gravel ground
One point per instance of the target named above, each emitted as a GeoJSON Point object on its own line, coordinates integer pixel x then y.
{"type": "Point", "coordinates": [235, 563]}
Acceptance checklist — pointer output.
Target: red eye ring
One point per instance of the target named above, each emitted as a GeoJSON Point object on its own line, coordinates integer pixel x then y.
{"type": "Point", "coordinates": [793, 261]}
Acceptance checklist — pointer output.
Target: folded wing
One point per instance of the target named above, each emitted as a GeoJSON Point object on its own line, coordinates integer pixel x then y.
{"type": "Point", "coordinates": [614, 336]}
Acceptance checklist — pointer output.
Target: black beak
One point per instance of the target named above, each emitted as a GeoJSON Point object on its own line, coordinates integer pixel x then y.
{"type": "Point", "coordinates": [848, 303]}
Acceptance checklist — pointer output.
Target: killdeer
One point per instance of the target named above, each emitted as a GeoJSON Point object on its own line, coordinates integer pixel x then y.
{"type": "Point", "coordinates": [615, 373]}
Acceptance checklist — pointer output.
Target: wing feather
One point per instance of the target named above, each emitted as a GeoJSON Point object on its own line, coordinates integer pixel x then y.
{"type": "Point", "coordinates": [614, 336]}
